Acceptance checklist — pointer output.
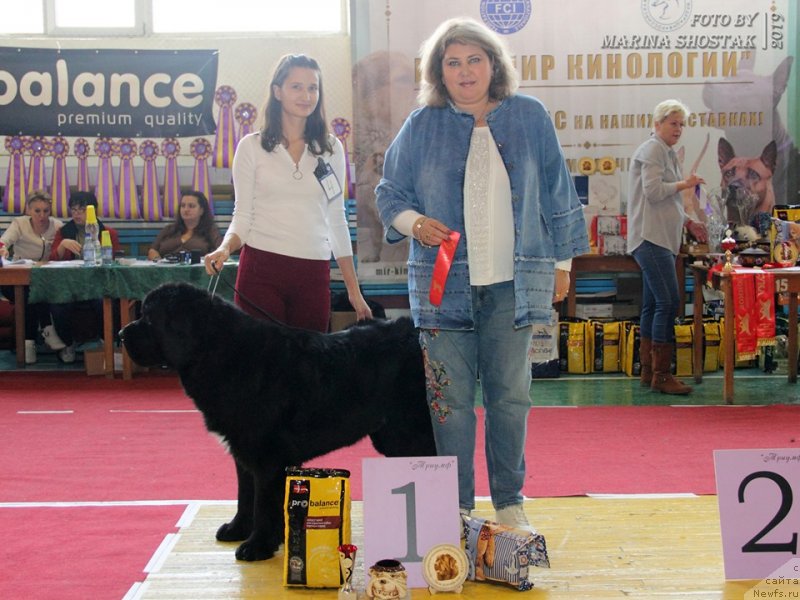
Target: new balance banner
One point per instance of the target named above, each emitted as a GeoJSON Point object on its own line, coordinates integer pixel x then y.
{"type": "Point", "coordinates": [107, 93]}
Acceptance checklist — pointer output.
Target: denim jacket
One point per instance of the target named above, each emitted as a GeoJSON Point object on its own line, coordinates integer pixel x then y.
{"type": "Point", "coordinates": [424, 170]}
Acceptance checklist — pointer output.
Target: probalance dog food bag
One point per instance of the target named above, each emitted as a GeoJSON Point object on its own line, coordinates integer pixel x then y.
{"type": "Point", "coordinates": [317, 516]}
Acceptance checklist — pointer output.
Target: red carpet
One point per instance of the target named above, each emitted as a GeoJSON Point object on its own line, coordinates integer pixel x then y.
{"type": "Point", "coordinates": [79, 553]}
{"type": "Point", "coordinates": [70, 438]}
{"type": "Point", "coordinates": [143, 440]}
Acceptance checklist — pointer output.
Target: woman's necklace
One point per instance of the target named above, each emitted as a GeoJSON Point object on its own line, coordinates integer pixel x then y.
{"type": "Point", "coordinates": [298, 174]}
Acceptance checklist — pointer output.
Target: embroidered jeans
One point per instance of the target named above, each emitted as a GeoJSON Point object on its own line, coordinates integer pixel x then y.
{"type": "Point", "coordinates": [496, 355]}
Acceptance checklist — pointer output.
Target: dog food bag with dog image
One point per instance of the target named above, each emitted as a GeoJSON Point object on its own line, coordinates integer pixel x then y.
{"type": "Point", "coordinates": [501, 553]}
{"type": "Point", "coordinates": [317, 516]}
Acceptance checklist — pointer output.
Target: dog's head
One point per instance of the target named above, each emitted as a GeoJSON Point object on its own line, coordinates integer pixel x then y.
{"type": "Point", "coordinates": [750, 174]}
{"type": "Point", "coordinates": [174, 322]}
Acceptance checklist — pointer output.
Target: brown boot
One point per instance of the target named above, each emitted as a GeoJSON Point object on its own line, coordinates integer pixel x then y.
{"type": "Point", "coordinates": [646, 361]}
{"type": "Point", "coordinates": [663, 379]}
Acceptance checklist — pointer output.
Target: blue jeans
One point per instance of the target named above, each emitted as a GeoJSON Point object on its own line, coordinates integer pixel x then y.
{"type": "Point", "coordinates": [499, 354]}
{"type": "Point", "coordinates": [660, 297]}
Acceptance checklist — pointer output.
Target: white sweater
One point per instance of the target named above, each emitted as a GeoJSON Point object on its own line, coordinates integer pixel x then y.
{"type": "Point", "coordinates": [277, 213]}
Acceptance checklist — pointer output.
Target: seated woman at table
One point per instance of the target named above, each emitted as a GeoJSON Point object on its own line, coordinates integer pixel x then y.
{"type": "Point", "coordinates": [31, 237]}
{"type": "Point", "coordinates": [68, 245]}
{"type": "Point", "coordinates": [193, 229]}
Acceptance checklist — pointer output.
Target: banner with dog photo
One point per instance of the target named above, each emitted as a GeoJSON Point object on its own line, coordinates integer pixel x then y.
{"type": "Point", "coordinates": [600, 68]}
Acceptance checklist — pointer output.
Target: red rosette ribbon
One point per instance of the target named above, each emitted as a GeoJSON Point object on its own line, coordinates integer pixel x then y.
{"type": "Point", "coordinates": [170, 148]}
{"type": "Point", "coordinates": [225, 140]}
{"type": "Point", "coordinates": [59, 180]}
{"type": "Point", "coordinates": [151, 202]}
{"type": "Point", "coordinates": [201, 150]}
{"type": "Point", "coordinates": [14, 192]}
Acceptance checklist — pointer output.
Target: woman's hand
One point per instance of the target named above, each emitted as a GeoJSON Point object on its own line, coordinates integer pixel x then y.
{"type": "Point", "coordinates": [215, 260]}
{"type": "Point", "coordinates": [698, 231]}
{"type": "Point", "coordinates": [363, 311]}
{"type": "Point", "coordinates": [69, 245]}
{"type": "Point", "coordinates": [430, 232]}
{"type": "Point", "coordinates": [561, 288]}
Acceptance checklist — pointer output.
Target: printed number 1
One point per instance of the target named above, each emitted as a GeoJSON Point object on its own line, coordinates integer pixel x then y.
{"type": "Point", "coordinates": [786, 505]}
{"type": "Point", "coordinates": [410, 492]}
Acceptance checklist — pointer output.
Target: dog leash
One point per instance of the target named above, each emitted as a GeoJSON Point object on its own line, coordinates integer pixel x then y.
{"type": "Point", "coordinates": [213, 282]}
{"type": "Point", "coordinates": [211, 288]}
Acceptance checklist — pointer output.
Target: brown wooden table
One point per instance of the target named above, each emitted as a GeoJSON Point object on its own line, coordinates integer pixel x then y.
{"type": "Point", "coordinates": [596, 263]}
{"type": "Point", "coordinates": [20, 278]}
{"type": "Point", "coordinates": [786, 281]}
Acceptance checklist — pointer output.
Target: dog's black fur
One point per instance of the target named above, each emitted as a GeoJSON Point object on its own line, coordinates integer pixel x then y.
{"type": "Point", "coordinates": [281, 396]}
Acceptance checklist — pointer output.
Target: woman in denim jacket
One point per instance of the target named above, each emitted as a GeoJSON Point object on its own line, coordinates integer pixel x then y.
{"type": "Point", "coordinates": [479, 160]}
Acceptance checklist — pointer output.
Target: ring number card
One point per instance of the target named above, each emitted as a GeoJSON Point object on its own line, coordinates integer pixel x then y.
{"type": "Point", "coordinates": [410, 506]}
{"type": "Point", "coordinates": [759, 508]}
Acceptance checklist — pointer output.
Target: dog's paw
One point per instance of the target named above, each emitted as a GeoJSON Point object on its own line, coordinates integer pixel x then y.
{"type": "Point", "coordinates": [235, 531]}
{"type": "Point", "coordinates": [255, 550]}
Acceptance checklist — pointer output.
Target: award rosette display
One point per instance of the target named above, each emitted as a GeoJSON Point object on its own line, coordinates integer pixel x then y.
{"type": "Point", "coordinates": [201, 150]}
{"type": "Point", "coordinates": [245, 116]}
{"type": "Point", "coordinates": [14, 193]}
{"type": "Point", "coordinates": [59, 180]}
{"type": "Point", "coordinates": [128, 196]}
{"type": "Point", "coordinates": [170, 148]}
{"type": "Point", "coordinates": [81, 149]}
{"type": "Point", "coordinates": [38, 148]}
{"type": "Point", "coordinates": [105, 190]}
{"type": "Point", "coordinates": [151, 202]}
{"type": "Point", "coordinates": [225, 141]}
{"type": "Point", "coordinates": [341, 129]}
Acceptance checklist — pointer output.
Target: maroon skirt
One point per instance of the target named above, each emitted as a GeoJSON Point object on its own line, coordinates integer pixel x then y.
{"type": "Point", "coordinates": [294, 291]}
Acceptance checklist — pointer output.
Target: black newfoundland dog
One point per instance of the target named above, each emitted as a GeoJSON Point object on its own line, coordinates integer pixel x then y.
{"type": "Point", "coordinates": [280, 396]}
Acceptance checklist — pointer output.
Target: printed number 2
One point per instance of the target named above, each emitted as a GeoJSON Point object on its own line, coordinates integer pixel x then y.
{"type": "Point", "coordinates": [786, 504]}
{"type": "Point", "coordinates": [410, 491]}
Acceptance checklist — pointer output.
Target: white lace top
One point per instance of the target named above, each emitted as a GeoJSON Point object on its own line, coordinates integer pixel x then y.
{"type": "Point", "coordinates": [488, 216]}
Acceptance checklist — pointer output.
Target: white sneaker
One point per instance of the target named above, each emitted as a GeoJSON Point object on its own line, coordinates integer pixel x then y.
{"type": "Point", "coordinates": [51, 338]}
{"type": "Point", "coordinates": [514, 516]}
{"type": "Point", "coordinates": [67, 354]}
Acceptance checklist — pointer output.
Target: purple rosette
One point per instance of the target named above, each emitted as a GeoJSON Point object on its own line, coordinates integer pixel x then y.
{"type": "Point", "coordinates": [14, 192]}
{"type": "Point", "coordinates": [106, 190]}
{"type": "Point", "coordinates": [170, 148]}
{"type": "Point", "coordinates": [225, 140]}
{"type": "Point", "coordinates": [245, 115]}
{"type": "Point", "coordinates": [341, 129]}
{"type": "Point", "coordinates": [128, 196]}
{"type": "Point", "coordinates": [81, 150]}
{"type": "Point", "coordinates": [151, 201]}
{"type": "Point", "coordinates": [59, 180]}
{"type": "Point", "coordinates": [201, 150]}
{"type": "Point", "coordinates": [38, 147]}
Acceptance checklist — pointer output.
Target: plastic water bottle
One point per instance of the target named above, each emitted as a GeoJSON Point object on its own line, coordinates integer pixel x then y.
{"type": "Point", "coordinates": [106, 249]}
{"type": "Point", "coordinates": [91, 242]}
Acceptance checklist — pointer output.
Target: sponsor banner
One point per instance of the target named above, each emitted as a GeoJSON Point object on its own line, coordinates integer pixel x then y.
{"type": "Point", "coordinates": [107, 93]}
{"type": "Point", "coordinates": [600, 68]}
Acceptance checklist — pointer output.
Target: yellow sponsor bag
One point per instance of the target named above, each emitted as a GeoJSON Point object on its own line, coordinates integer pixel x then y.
{"type": "Point", "coordinates": [575, 346]}
{"type": "Point", "coordinates": [317, 517]}
{"type": "Point", "coordinates": [606, 346]}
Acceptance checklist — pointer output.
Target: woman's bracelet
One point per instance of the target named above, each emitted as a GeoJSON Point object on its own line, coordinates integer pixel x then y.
{"type": "Point", "coordinates": [417, 228]}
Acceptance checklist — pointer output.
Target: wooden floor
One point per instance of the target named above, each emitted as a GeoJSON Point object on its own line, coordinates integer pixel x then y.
{"type": "Point", "coordinates": [631, 547]}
